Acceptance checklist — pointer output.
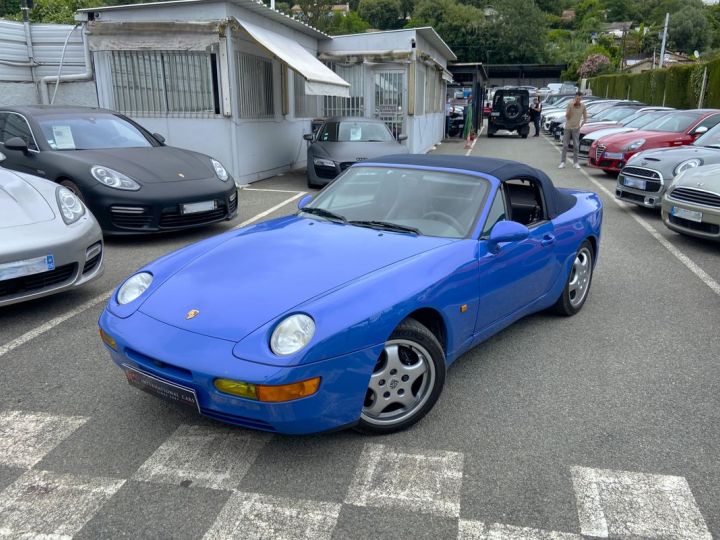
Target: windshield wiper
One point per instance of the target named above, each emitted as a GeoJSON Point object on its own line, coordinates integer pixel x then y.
{"type": "Point", "coordinates": [714, 146]}
{"type": "Point", "coordinates": [386, 226]}
{"type": "Point", "coordinates": [325, 213]}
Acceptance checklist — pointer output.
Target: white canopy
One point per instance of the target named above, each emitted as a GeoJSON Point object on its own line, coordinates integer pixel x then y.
{"type": "Point", "coordinates": [319, 79]}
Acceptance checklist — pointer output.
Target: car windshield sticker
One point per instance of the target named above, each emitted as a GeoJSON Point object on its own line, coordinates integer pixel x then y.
{"type": "Point", "coordinates": [355, 134]}
{"type": "Point", "coordinates": [63, 138]}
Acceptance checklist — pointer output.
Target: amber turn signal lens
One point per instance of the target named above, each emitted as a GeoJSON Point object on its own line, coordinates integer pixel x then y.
{"type": "Point", "coordinates": [108, 339]}
{"type": "Point", "coordinates": [288, 392]}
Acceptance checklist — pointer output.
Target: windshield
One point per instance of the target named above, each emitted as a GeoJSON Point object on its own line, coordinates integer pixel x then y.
{"type": "Point", "coordinates": [641, 119]}
{"type": "Point", "coordinates": [355, 131]}
{"type": "Point", "coordinates": [595, 108]}
{"type": "Point", "coordinates": [616, 113]}
{"type": "Point", "coordinates": [90, 132]}
{"type": "Point", "coordinates": [435, 203]}
{"type": "Point", "coordinates": [711, 138]}
{"type": "Point", "coordinates": [673, 123]}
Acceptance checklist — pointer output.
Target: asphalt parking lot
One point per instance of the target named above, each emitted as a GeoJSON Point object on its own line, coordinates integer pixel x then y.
{"type": "Point", "coordinates": [606, 423]}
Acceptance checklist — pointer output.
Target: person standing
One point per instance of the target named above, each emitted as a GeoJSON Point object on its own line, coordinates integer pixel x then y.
{"type": "Point", "coordinates": [448, 117]}
{"type": "Point", "coordinates": [575, 117]}
{"type": "Point", "coordinates": [536, 114]}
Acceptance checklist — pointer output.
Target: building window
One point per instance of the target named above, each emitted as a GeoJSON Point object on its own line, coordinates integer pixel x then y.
{"type": "Point", "coordinates": [430, 90]}
{"type": "Point", "coordinates": [305, 106]}
{"type": "Point", "coordinates": [419, 89]}
{"type": "Point", "coordinates": [256, 94]}
{"type": "Point", "coordinates": [165, 82]}
{"type": "Point", "coordinates": [355, 104]}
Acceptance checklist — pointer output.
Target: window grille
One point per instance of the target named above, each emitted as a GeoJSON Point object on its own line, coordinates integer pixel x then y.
{"type": "Point", "coordinates": [390, 99]}
{"type": "Point", "coordinates": [419, 89]}
{"type": "Point", "coordinates": [255, 86]}
{"type": "Point", "coordinates": [305, 106]}
{"type": "Point", "coordinates": [165, 83]}
{"type": "Point", "coordinates": [355, 104]}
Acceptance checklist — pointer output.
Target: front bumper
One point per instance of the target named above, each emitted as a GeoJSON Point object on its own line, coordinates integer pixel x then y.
{"type": "Point", "coordinates": [610, 162]}
{"type": "Point", "coordinates": [321, 175]}
{"type": "Point", "coordinates": [708, 228]}
{"type": "Point", "coordinates": [629, 186]}
{"type": "Point", "coordinates": [195, 361]}
{"type": "Point", "coordinates": [78, 259]}
{"type": "Point", "coordinates": [158, 207]}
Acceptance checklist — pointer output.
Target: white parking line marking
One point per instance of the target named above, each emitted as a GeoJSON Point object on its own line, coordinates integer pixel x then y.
{"type": "Point", "coordinates": [472, 146]}
{"type": "Point", "coordinates": [203, 456]}
{"type": "Point", "coordinates": [253, 516]}
{"type": "Point", "coordinates": [477, 530]}
{"type": "Point", "coordinates": [636, 505]}
{"type": "Point", "coordinates": [423, 481]}
{"type": "Point", "coordinates": [679, 255]}
{"type": "Point", "coordinates": [42, 504]}
{"type": "Point", "coordinates": [271, 190]}
{"type": "Point", "coordinates": [27, 437]}
{"type": "Point", "coordinates": [270, 210]}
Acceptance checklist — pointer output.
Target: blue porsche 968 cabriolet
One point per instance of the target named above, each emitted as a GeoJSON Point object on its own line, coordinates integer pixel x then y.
{"type": "Point", "coordinates": [349, 312]}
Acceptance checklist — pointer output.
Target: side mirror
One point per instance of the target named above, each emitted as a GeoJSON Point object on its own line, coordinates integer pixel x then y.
{"type": "Point", "coordinates": [303, 202]}
{"type": "Point", "coordinates": [506, 231]}
{"type": "Point", "coordinates": [700, 131]}
{"type": "Point", "coordinates": [308, 137]}
{"type": "Point", "coordinates": [159, 138]}
{"type": "Point", "coordinates": [2, 157]}
{"type": "Point", "coordinates": [16, 143]}
{"type": "Point", "coordinates": [402, 137]}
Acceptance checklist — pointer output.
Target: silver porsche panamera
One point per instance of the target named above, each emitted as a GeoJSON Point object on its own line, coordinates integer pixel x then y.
{"type": "Point", "coordinates": [49, 241]}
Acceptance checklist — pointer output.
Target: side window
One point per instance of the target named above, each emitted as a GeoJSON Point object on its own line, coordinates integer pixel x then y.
{"type": "Point", "coordinates": [710, 122]}
{"type": "Point", "coordinates": [497, 213]}
{"type": "Point", "coordinates": [525, 201]}
{"type": "Point", "coordinates": [3, 117]}
{"type": "Point", "coordinates": [16, 126]}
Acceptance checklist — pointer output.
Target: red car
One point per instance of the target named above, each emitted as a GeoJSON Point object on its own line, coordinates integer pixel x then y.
{"type": "Point", "coordinates": [675, 129]}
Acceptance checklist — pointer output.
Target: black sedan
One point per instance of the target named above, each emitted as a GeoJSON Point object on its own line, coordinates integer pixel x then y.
{"type": "Point", "coordinates": [131, 181]}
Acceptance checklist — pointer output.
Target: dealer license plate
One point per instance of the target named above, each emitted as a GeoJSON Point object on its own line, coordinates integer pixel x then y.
{"type": "Point", "coordinates": [495, 114]}
{"type": "Point", "coordinates": [194, 208]}
{"type": "Point", "coordinates": [613, 155]}
{"type": "Point", "coordinates": [584, 147]}
{"type": "Point", "coordinates": [161, 388]}
{"type": "Point", "coordinates": [690, 215]}
{"type": "Point", "coordinates": [634, 182]}
{"type": "Point", "coordinates": [26, 267]}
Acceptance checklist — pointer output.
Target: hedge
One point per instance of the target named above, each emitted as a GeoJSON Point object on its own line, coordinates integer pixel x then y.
{"type": "Point", "coordinates": [677, 86]}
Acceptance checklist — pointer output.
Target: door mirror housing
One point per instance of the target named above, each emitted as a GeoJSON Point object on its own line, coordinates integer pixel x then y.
{"type": "Point", "coordinates": [700, 130]}
{"type": "Point", "coordinates": [16, 143]}
{"type": "Point", "coordinates": [303, 202]}
{"type": "Point", "coordinates": [159, 138]}
{"type": "Point", "coordinates": [402, 137]}
{"type": "Point", "coordinates": [308, 137]}
{"type": "Point", "coordinates": [506, 231]}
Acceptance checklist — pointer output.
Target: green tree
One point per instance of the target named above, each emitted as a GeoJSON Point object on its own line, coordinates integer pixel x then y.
{"type": "Point", "coordinates": [54, 11]}
{"type": "Point", "coordinates": [460, 25]}
{"type": "Point", "coordinates": [518, 34]}
{"type": "Point", "coordinates": [381, 14]}
{"type": "Point", "coordinates": [622, 10]}
{"type": "Point", "coordinates": [689, 30]}
{"type": "Point", "coordinates": [316, 12]}
{"type": "Point", "coordinates": [351, 23]}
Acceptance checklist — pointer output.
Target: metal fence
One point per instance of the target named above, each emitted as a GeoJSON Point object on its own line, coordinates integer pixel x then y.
{"type": "Point", "coordinates": [256, 91]}
{"type": "Point", "coordinates": [162, 83]}
{"type": "Point", "coordinates": [305, 106]}
{"type": "Point", "coordinates": [390, 99]}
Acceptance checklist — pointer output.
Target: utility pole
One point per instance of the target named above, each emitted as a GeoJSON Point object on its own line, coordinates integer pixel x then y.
{"type": "Point", "coordinates": [664, 41]}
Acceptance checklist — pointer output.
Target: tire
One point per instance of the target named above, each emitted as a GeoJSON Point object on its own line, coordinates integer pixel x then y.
{"type": "Point", "coordinates": [410, 373]}
{"type": "Point", "coordinates": [490, 133]}
{"type": "Point", "coordinates": [609, 172]}
{"type": "Point", "coordinates": [511, 110]}
{"type": "Point", "coordinates": [72, 186]}
{"type": "Point", "coordinates": [578, 282]}
{"type": "Point", "coordinates": [313, 186]}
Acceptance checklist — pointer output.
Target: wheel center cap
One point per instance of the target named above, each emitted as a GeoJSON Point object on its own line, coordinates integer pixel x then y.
{"type": "Point", "coordinates": [394, 383]}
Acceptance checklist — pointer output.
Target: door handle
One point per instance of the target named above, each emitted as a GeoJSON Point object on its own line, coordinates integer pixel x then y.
{"type": "Point", "coordinates": [548, 239]}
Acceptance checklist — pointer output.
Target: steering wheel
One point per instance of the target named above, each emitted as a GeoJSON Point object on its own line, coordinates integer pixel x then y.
{"type": "Point", "coordinates": [447, 218]}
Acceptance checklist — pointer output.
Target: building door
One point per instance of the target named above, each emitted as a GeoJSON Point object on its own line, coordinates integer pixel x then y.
{"type": "Point", "coordinates": [390, 103]}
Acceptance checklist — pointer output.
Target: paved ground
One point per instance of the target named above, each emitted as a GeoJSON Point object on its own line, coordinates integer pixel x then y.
{"type": "Point", "coordinates": [605, 424]}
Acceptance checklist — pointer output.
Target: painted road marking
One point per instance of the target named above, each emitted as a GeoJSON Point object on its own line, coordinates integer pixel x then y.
{"type": "Point", "coordinates": [52, 323]}
{"type": "Point", "coordinates": [423, 481]}
{"type": "Point", "coordinates": [636, 505]}
{"type": "Point", "coordinates": [42, 504]}
{"type": "Point", "coordinates": [271, 210]}
{"type": "Point", "coordinates": [678, 254]}
{"type": "Point", "coordinates": [27, 437]}
{"type": "Point", "coordinates": [203, 456]}
{"type": "Point", "coordinates": [271, 190]}
{"type": "Point", "coordinates": [252, 516]}
{"type": "Point", "coordinates": [477, 530]}
{"type": "Point", "coordinates": [472, 146]}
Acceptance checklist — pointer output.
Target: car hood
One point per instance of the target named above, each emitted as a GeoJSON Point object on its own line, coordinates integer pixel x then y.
{"type": "Point", "coordinates": [149, 165]}
{"type": "Point", "coordinates": [708, 176]}
{"type": "Point", "coordinates": [616, 142]}
{"type": "Point", "coordinates": [271, 269]}
{"type": "Point", "coordinates": [679, 153]}
{"type": "Point", "coordinates": [594, 126]}
{"type": "Point", "coordinates": [357, 151]}
{"type": "Point", "coordinates": [20, 203]}
{"type": "Point", "coordinates": [606, 132]}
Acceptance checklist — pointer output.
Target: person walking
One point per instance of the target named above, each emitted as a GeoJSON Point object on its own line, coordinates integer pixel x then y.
{"type": "Point", "coordinates": [536, 114]}
{"type": "Point", "coordinates": [575, 117]}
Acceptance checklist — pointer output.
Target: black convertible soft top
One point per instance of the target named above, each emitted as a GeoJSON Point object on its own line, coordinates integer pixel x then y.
{"type": "Point", "coordinates": [503, 169]}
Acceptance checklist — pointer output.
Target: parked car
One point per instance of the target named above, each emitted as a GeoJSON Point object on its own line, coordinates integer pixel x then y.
{"type": "Point", "coordinates": [131, 181]}
{"type": "Point", "coordinates": [553, 117]}
{"type": "Point", "coordinates": [675, 129]}
{"type": "Point", "coordinates": [342, 142]}
{"type": "Point", "coordinates": [597, 111]}
{"type": "Point", "coordinates": [647, 175]}
{"type": "Point", "coordinates": [457, 121]}
{"type": "Point", "coordinates": [511, 112]}
{"type": "Point", "coordinates": [691, 205]}
{"type": "Point", "coordinates": [49, 241]}
{"type": "Point", "coordinates": [353, 308]}
{"type": "Point", "coordinates": [637, 121]}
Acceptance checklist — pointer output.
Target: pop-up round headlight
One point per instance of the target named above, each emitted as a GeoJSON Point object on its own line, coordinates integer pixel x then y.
{"type": "Point", "coordinates": [292, 334]}
{"type": "Point", "coordinates": [134, 287]}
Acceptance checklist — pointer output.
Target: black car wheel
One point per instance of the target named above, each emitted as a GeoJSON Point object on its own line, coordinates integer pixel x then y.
{"type": "Point", "coordinates": [578, 283]}
{"type": "Point", "coordinates": [72, 186]}
{"type": "Point", "coordinates": [406, 381]}
{"type": "Point", "coordinates": [512, 110]}
{"type": "Point", "coordinates": [491, 132]}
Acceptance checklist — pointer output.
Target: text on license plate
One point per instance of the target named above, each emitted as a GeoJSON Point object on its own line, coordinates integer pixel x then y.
{"type": "Point", "coordinates": [690, 215]}
{"type": "Point", "coordinates": [26, 267]}
{"type": "Point", "coordinates": [194, 208]}
{"type": "Point", "coordinates": [613, 155]}
{"type": "Point", "coordinates": [634, 182]}
{"type": "Point", "coordinates": [161, 388]}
